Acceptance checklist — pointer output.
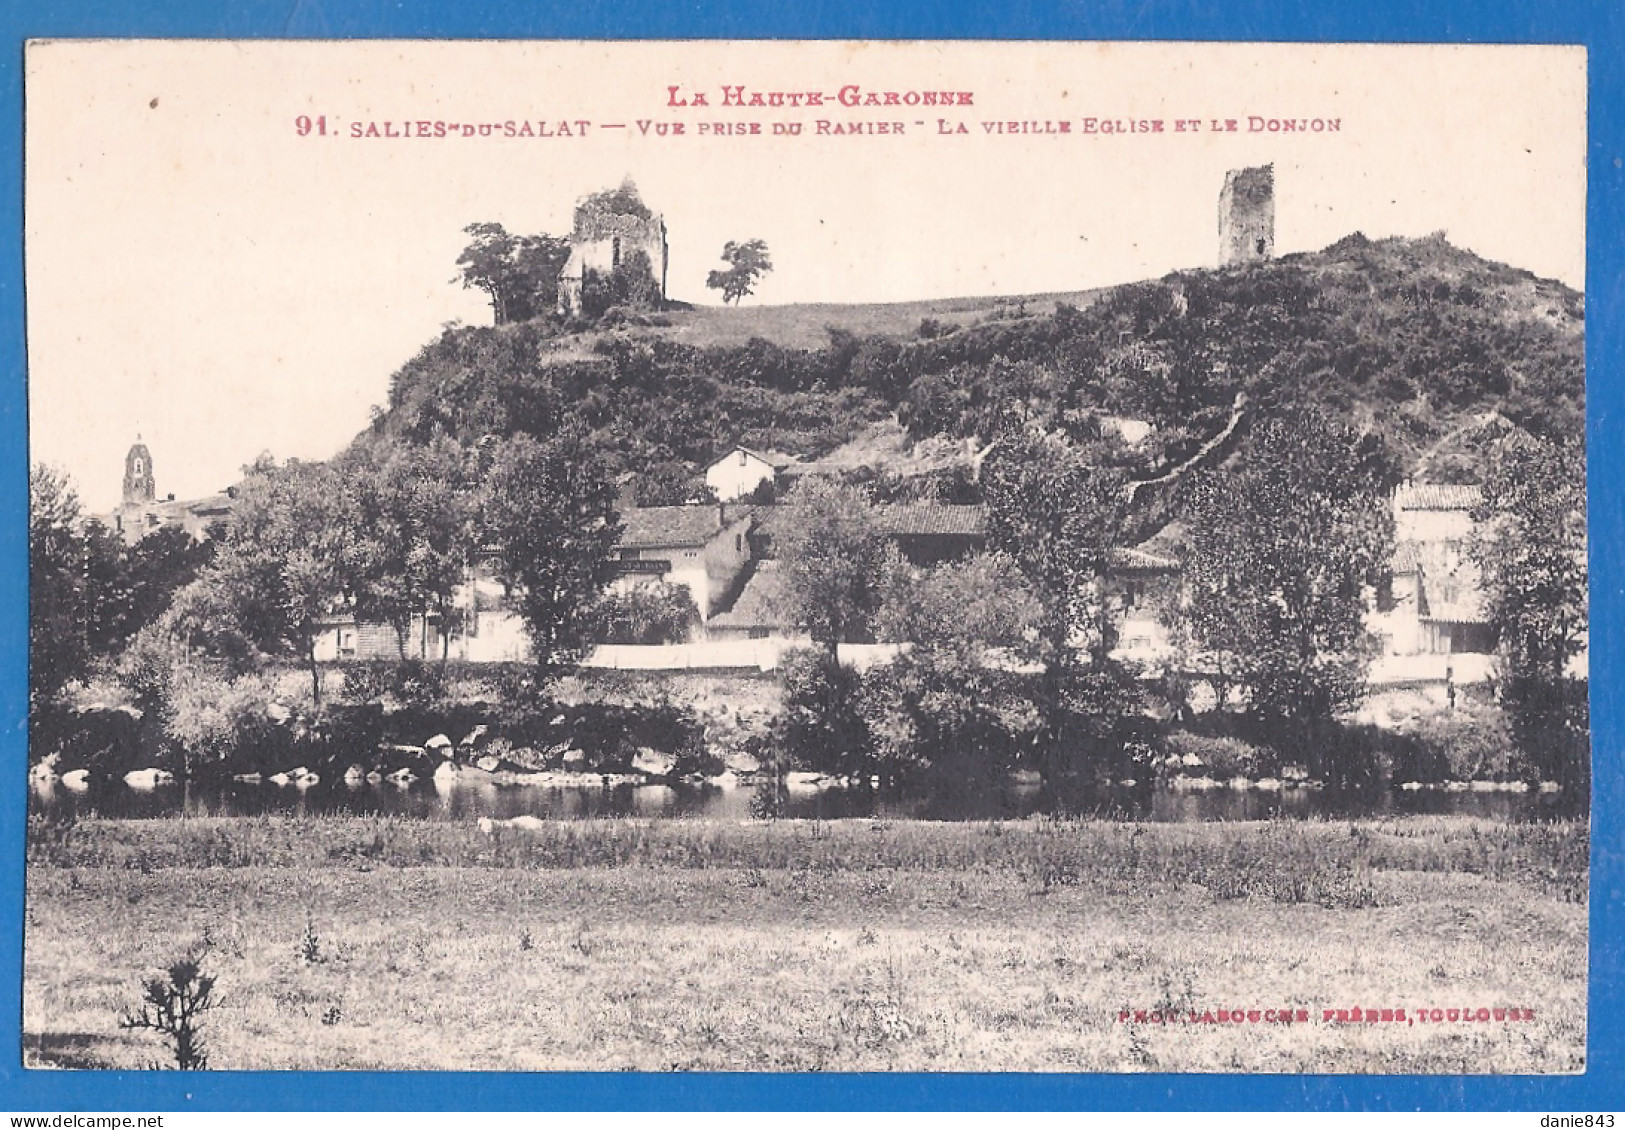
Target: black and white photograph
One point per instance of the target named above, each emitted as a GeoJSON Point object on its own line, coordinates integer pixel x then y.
{"type": "Point", "coordinates": [806, 556]}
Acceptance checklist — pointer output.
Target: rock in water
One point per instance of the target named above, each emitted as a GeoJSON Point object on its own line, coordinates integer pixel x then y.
{"type": "Point", "coordinates": [653, 762]}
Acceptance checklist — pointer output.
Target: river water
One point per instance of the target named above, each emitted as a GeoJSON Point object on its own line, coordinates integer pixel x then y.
{"type": "Point", "coordinates": [460, 801]}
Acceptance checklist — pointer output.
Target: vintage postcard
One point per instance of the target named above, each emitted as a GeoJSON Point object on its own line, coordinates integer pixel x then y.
{"type": "Point", "coordinates": [807, 556]}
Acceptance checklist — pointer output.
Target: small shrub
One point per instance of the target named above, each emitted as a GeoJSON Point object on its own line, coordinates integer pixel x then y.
{"type": "Point", "coordinates": [310, 945]}
{"type": "Point", "coordinates": [1472, 742]}
{"type": "Point", "coordinates": [171, 1007]}
{"type": "Point", "coordinates": [822, 726]}
{"type": "Point", "coordinates": [654, 612]}
{"type": "Point", "coordinates": [1219, 756]}
{"type": "Point", "coordinates": [214, 719]}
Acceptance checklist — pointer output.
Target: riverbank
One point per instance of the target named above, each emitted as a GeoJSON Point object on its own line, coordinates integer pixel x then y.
{"type": "Point", "coordinates": [798, 945]}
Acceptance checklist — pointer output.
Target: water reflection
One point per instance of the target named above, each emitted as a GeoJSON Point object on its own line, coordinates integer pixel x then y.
{"type": "Point", "coordinates": [444, 799]}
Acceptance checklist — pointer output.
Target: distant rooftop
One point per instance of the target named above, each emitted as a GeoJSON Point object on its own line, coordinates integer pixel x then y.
{"type": "Point", "coordinates": [1437, 496]}
{"type": "Point", "coordinates": [917, 519]}
{"type": "Point", "coordinates": [661, 527]}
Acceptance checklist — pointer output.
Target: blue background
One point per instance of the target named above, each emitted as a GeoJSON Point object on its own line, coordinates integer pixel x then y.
{"type": "Point", "coordinates": [1594, 23]}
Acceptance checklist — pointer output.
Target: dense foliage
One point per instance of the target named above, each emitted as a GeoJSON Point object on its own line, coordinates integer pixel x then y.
{"type": "Point", "coordinates": [1283, 551]}
{"type": "Point", "coordinates": [1267, 410]}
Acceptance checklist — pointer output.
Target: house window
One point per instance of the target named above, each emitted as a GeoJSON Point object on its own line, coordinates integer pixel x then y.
{"type": "Point", "coordinates": [742, 458]}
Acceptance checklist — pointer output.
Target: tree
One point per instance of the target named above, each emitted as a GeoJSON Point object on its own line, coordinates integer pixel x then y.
{"type": "Point", "coordinates": [132, 585]}
{"type": "Point", "coordinates": [520, 274]}
{"type": "Point", "coordinates": [747, 262]}
{"type": "Point", "coordinates": [953, 702]}
{"type": "Point", "coordinates": [550, 512]}
{"type": "Point", "coordinates": [417, 511]}
{"type": "Point", "coordinates": [293, 557]}
{"type": "Point", "coordinates": [1059, 507]}
{"type": "Point", "coordinates": [59, 597]}
{"type": "Point", "coordinates": [822, 725]}
{"type": "Point", "coordinates": [1531, 550]}
{"type": "Point", "coordinates": [1282, 551]}
{"type": "Point", "coordinates": [833, 558]}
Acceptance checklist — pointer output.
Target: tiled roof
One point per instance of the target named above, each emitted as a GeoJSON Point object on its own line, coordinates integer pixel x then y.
{"type": "Point", "coordinates": [1139, 559]}
{"type": "Point", "coordinates": [213, 504]}
{"type": "Point", "coordinates": [651, 527]}
{"type": "Point", "coordinates": [759, 603]}
{"type": "Point", "coordinates": [1437, 496]}
{"type": "Point", "coordinates": [1407, 557]}
{"type": "Point", "coordinates": [1464, 612]}
{"type": "Point", "coordinates": [778, 460]}
{"type": "Point", "coordinates": [915, 519]}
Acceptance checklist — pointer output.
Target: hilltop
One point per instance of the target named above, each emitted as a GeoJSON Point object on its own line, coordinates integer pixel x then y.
{"type": "Point", "coordinates": [1412, 338]}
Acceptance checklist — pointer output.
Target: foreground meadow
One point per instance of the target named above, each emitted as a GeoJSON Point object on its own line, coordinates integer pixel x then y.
{"type": "Point", "coordinates": [800, 946]}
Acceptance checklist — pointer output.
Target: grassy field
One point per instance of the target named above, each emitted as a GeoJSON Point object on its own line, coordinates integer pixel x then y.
{"type": "Point", "coordinates": [806, 325]}
{"type": "Point", "coordinates": [856, 945]}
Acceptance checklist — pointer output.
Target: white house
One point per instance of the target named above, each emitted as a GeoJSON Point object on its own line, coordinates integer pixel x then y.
{"type": "Point", "coordinates": [702, 547]}
{"type": "Point", "coordinates": [1434, 605]}
{"type": "Point", "coordinates": [741, 471]}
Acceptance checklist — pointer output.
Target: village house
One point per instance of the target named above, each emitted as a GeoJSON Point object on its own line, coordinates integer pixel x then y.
{"type": "Point", "coordinates": [1144, 580]}
{"type": "Point", "coordinates": [141, 512]}
{"type": "Point", "coordinates": [701, 547]}
{"type": "Point", "coordinates": [1145, 583]}
{"type": "Point", "coordinates": [742, 471]}
{"type": "Point", "coordinates": [1434, 604]}
{"type": "Point", "coordinates": [484, 629]}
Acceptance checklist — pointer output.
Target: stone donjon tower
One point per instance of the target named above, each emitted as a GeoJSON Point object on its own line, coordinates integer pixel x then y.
{"type": "Point", "coordinates": [139, 485]}
{"type": "Point", "coordinates": [1247, 216]}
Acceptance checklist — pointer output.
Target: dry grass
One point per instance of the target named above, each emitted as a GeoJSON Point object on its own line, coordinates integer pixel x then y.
{"type": "Point", "coordinates": [850, 946]}
{"type": "Point", "coordinates": [807, 325]}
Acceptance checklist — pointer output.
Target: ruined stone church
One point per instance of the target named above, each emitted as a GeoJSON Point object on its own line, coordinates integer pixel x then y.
{"type": "Point", "coordinates": [616, 239]}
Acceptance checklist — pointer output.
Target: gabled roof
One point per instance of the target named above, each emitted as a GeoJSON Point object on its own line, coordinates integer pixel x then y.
{"type": "Point", "coordinates": [672, 527]}
{"type": "Point", "coordinates": [918, 519]}
{"type": "Point", "coordinates": [759, 603]}
{"type": "Point", "coordinates": [1437, 496]}
{"type": "Point", "coordinates": [775, 459]}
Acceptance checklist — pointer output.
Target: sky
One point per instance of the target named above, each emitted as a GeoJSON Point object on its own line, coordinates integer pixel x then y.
{"type": "Point", "coordinates": [217, 263]}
